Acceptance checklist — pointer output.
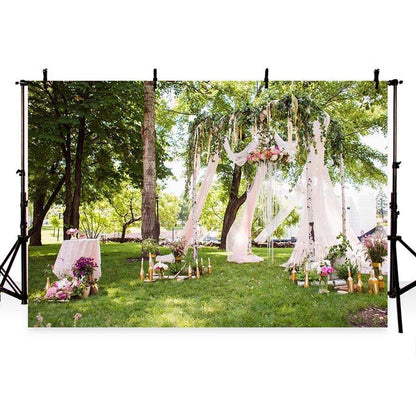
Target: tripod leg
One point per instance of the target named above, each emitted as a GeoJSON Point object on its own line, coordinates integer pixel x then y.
{"type": "Point", "coordinates": [394, 283]}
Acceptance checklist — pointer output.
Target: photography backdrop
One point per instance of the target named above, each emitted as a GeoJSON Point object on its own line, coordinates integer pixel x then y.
{"type": "Point", "coordinates": [291, 148]}
{"type": "Point", "coordinates": [251, 374]}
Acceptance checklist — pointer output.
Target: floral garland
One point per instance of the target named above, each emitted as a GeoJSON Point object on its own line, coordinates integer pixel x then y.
{"type": "Point", "coordinates": [268, 154]}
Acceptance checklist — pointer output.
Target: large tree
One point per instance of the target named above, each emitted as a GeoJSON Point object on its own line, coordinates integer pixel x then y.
{"type": "Point", "coordinates": [150, 222]}
{"type": "Point", "coordinates": [84, 139]}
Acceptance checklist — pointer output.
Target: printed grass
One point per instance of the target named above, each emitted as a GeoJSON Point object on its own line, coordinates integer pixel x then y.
{"type": "Point", "coordinates": [234, 295]}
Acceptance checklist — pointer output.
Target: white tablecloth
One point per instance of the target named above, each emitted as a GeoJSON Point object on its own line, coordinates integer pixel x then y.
{"type": "Point", "coordinates": [71, 251]}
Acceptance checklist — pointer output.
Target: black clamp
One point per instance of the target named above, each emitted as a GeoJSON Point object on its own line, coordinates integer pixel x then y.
{"type": "Point", "coordinates": [394, 82]}
{"type": "Point", "coordinates": [45, 76]}
{"type": "Point", "coordinates": [266, 78]}
{"type": "Point", "coordinates": [376, 80]}
{"type": "Point", "coordinates": [154, 79]}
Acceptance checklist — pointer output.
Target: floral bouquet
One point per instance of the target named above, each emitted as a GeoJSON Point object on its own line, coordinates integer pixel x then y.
{"type": "Point", "coordinates": [84, 268]}
{"type": "Point", "coordinates": [161, 268]}
{"type": "Point", "coordinates": [78, 287]}
{"type": "Point", "coordinates": [266, 154]}
{"type": "Point", "coordinates": [61, 290]}
{"type": "Point", "coordinates": [178, 247]}
{"type": "Point", "coordinates": [375, 247]}
{"type": "Point", "coordinates": [72, 232]}
{"type": "Point", "coordinates": [324, 269]}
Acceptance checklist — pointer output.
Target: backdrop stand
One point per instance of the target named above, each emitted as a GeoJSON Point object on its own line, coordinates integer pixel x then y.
{"type": "Point", "coordinates": [21, 243]}
{"type": "Point", "coordinates": [395, 290]}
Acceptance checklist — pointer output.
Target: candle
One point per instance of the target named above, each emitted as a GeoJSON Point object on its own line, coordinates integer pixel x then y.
{"type": "Point", "coordinates": [142, 271]}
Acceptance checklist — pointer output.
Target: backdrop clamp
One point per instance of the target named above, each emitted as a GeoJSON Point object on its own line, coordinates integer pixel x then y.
{"type": "Point", "coordinates": [155, 78]}
{"type": "Point", "coordinates": [266, 78]}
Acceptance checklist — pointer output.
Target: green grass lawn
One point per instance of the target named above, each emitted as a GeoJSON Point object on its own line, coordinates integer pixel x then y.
{"type": "Point", "coordinates": [234, 295]}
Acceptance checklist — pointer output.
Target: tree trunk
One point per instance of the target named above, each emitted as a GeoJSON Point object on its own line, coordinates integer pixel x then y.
{"type": "Point", "coordinates": [150, 224]}
{"type": "Point", "coordinates": [234, 203]}
{"type": "Point", "coordinates": [38, 217]}
{"type": "Point", "coordinates": [343, 207]}
{"type": "Point", "coordinates": [40, 209]}
{"type": "Point", "coordinates": [76, 201]}
{"type": "Point", "coordinates": [309, 207]}
{"type": "Point", "coordinates": [123, 232]}
{"type": "Point", "coordinates": [73, 195]}
{"type": "Point", "coordinates": [68, 189]}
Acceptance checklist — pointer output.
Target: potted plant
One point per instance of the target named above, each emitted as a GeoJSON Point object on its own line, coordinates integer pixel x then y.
{"type": "Point", "coordinates": [342, 270]}
{"type": "Point", "coordinates": [80, 289]}
{"type": "Point", "coordinates": [336, 254]}
{"type": "Point", "coordinates": [375, 248]}
{"type": "Point", "coordinates": [83, 270]}
{"type": "Point", "coordinates": [178, 249]}
{"type": "Point", "coordinates": [375, 252]}
{"type": "Point", "coordinates": [160, 269]}
{"type": "Point", "coordinates": [149, 246]}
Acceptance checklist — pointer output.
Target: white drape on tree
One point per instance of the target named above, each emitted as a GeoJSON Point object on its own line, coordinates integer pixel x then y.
{"type": "Point", "coordinates": [326, 209]}
{"type": "Point", "coordinates": [238, 237]}
{"type": "Point", "coordinates": [241, 157]}
{"type": "Point", "coordinates": [201, 198]}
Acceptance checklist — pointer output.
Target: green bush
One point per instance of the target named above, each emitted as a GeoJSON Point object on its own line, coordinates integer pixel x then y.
{"type": "Point", "coordinates": [342, 270]}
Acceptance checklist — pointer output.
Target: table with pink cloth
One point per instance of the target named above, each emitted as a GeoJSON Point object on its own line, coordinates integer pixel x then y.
{"type": "Point", "coordinates": [72, 250]}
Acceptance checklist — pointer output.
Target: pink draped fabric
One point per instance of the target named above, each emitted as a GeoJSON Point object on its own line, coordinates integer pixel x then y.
{"type": "Point", "coordinates": [200, 199]}
{"type": "Point", "coordinates": [238, 237]}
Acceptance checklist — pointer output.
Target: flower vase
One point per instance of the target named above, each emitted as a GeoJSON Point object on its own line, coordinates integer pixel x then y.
{"type": "Point", "coordinates": [94, 289]}
{"type": "Point", "coordinates": [323, 284]}
{"type": "Point", "coordinates": [377, 267]}
{"type": "Point", "coordinates": [86, 292]}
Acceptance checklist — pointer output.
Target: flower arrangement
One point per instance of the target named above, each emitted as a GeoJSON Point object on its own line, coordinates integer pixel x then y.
{"type": "Point", "coordinates": [60, 290]}
{"type": "Point", "coordinates": [178, 247]}
{"type": "Point", "coordinates": [149, 246]}
{"type": "Point", "coordinates": [160, 267]}
{"type": "Point", "coordinates": [72, 232]}
{"type": "Point", "coordinates": [266, 154]}
{"type": "Point", "coordinates": [324, 269]}
{"type": "Point", "coordinates": [78, 287]}
{"type": "Point", "coordinates": [375, 247]}
{"type": "Point", "coordinates": [338, 251]}
{"type": "Point", "coordinates": [84, 268]}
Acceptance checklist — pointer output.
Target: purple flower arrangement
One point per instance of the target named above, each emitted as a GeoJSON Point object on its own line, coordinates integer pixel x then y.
{"type": "Point", "coordinates": [84, 267]}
